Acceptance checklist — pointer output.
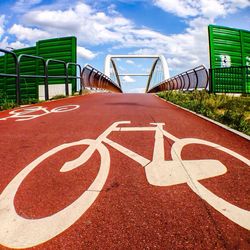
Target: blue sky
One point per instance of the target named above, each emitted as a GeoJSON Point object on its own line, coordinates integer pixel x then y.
{"type": "Point", "coordinates": [175, 28]}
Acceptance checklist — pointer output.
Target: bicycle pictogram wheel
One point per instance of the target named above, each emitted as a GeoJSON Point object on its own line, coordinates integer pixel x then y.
{"type": "Point", "coordinates": [236, 214]}
{"type": "Point", "coordinates": [31, 232]}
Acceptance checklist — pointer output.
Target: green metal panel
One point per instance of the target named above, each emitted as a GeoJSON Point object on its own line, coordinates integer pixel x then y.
{"type": "Point", "coordinates": [63, 49]}
{"type": "Point", "coordinates": [229, 48]}
{"type": "Point", "coordinates": [2, 80]}
{"type": "Point", "coordinates": [246, 56]}
{"type": "Point", "coordinates": [28, 86]}
{"type": "Point", "coordinates": [29, 89]}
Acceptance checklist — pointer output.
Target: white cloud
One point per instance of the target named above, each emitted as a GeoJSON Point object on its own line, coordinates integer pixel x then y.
{"type": "Point", "coordinates": [4, 42]}
{"type": "Point", "coordinates": [212, 8]}
{"type": "Point", "coordinates": [130, 62]}
{"type": "Point", "coordinates": [89, 25]}
{"type": "Point", "coordinates": [14, 45]}
{"type": "Point", "coordinates": [205, 8]}
{"type": "Point", "coordinates": [128, 79]}
{"type": "Point", "coordinates": [85, 53]}
{"type": "Point", "coordinates": [28, 34]}
{"type": "Point", "coordinates": [2, 21]}
{"type": "Point", "coordinates": [22, 6]}
{"type": "Point", "coordinates": [182, 8]}
{"type": "Point", "coordinates": [99, 28]}
{"type": "Point", "coordinates": [183, 51]}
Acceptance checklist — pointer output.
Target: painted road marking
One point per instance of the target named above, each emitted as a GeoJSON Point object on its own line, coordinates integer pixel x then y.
{"type": "Point", "coordinates": [28, 113]}
{"type": "Point", "coordinates": [19, 232]}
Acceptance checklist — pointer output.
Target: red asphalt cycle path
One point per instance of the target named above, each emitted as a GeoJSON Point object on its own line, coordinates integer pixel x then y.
{"type": "Point", "coordinates": [129, 213]}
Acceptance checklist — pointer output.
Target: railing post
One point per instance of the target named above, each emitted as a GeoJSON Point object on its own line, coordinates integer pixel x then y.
{"type": "Point", "coordinates": [183, 82]}
{"type": "Point", "coordinates": [18, 87]}
{"type": "Point", "coordinates": [67, 81]}
{"type": "Point", "coordinates": [210, 79]}
{"type": "Point", "coordinates": [189, 81]}
{"type": "Point", "coordinates": [197, 80]}
{"type": "Point", "coordinates": [47, 75]}
{"type": "Point", "coordinates": [82, 79]}
{"type": "Point", "coordinates": [245, 79]}
{"type": "Point", "coordinates": [90, 78]}
{"type": "Point", "coordinates": [207, 79]}
{"type": "Point", "coordinates": [46, 81]}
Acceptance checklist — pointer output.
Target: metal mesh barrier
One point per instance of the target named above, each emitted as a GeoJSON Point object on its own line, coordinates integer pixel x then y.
{"type": "Point", "coordinates": [230, 80]}
{"type": "Point", "coordinates": [196, 78]}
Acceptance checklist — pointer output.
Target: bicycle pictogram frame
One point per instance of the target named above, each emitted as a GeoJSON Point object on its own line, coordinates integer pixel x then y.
{"type": "Point", "coordinates": [159, 172]}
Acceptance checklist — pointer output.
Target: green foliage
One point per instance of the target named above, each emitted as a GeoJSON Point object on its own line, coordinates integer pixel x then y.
{"type": "Point", "coordinates": [56, 97]}
{"type": "Point", "coordinates": [5, 103]}
{"type": "Point", "coordinates": [229, 110]}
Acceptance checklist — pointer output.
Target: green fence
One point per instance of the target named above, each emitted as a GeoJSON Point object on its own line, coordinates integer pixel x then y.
{"type": "Point", "coordinates": [231, 80]}
{"type": "Point", "coordinates": [63, 49]}
{"type": "Point", "coordinates": [229, 57]}
{"type": "Point", "coordinates": [8, 84]}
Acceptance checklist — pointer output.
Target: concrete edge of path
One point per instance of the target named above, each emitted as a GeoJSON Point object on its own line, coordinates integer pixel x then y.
{"type": "Point", "coordinates": [210, 120]}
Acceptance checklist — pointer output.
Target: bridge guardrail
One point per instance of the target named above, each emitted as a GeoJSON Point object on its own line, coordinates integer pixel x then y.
{"type": "Point", "coordinates": [93, 78]}
{"type": "Point", "coordinates": [196, 78]}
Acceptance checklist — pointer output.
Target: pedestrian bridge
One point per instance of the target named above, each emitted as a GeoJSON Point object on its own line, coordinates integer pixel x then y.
{"type": "Point", "coordinates": [159, 69]}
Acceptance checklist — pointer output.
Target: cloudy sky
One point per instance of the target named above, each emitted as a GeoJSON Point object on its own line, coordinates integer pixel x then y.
{"type": "Point", "coordinates": [174, 28]}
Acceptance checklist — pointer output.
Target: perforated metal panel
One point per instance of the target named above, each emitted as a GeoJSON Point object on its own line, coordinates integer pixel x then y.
{"type": "Point", "coordinates": [229, 48]}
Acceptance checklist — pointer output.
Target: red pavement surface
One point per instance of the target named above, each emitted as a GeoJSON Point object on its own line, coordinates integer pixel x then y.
{"type": "Point", "coordinates": [129, 213]}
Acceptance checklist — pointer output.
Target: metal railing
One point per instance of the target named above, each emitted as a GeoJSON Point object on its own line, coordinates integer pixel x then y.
{"type": "Point", "coordinates": [196, 78]}
{"type": "Point", "coordinates": [16, 75]}
{"type": "Point", "coordinates": [93, 78]}
{"type": "Point", "coordinates": [72, 77]}
{"type": "Point", "coordinates": [45, 76]}
{"type": "Point", "coordinates": [230, 80]}
{"type": "Point", "coordinates": [89, 76]}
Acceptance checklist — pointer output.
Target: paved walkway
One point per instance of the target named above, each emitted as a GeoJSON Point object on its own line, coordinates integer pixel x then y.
{"type": "Point", "coordinates": [75, 174]}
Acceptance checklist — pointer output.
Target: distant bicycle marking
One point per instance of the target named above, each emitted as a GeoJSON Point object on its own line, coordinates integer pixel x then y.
{"type": "Point", "coordinates": [29, 113]}
{"type": "Point", "coordinates": [19, 232]}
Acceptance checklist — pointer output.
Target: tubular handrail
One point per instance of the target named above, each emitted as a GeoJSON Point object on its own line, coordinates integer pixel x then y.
{"type": "Point", "coordinates": [18, 99]}
{"type": "Point", "coordinates": [18, 75]}
{"type": "Point", "coordinates": [30, 76]}
{"type": "Point", "coordinates": [186, 81]}
{"type": "Point", "coordinates": [73, 77]}
{"type": "Point", "coordinates": [46, 83]}
{"type": "Point", "coordinates": [92, 77]}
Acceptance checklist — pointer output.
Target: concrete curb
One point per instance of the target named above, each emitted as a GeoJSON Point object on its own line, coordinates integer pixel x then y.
{"type": "Point", "coordinates": [210, 120]}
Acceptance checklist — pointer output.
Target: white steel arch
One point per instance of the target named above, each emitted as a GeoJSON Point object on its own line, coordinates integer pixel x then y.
{"type": "Point", "coordinates": [109, 60]}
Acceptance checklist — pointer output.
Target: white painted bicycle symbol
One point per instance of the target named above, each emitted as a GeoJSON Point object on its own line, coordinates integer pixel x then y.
{"type": "Point", "coordinates": [19, 232]}
{"type": "Point", "coordinates": [33, 112]}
